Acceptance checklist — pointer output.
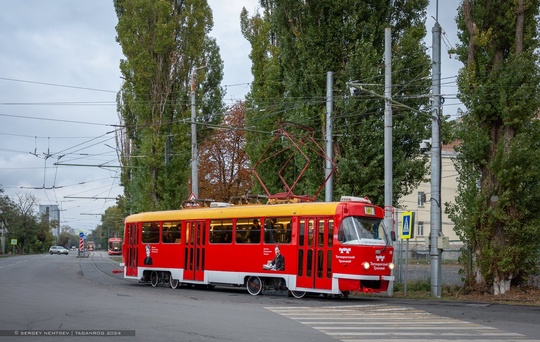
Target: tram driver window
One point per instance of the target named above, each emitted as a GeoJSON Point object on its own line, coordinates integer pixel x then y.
{"type": "Point", "coordinates": [150, 232]}
{"type": "Point", "coordinates": [353, 230]}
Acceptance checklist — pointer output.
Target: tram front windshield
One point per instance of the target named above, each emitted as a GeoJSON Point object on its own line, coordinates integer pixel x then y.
{"type": "Point", "coordinates": [357, 230]}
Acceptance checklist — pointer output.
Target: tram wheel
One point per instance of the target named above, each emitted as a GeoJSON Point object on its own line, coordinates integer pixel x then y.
{"type": "Point", "coordinates": [254, 285]}
{"type": "Point", "coordinates": [298, 294]}
{"type": "Point", "coordinates": [154, 278]}
{"type": "Point", "coordinates": [174, 283]}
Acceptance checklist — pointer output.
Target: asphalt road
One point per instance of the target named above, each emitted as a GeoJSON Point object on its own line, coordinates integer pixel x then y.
{"type": "Point", "coordinates": [44, 294]}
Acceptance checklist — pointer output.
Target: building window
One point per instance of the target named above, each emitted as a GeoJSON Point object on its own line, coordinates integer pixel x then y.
{"type": "Point", "coordinates": [420, 230]}
{"type": "Point", "coordinates": [421, 199]}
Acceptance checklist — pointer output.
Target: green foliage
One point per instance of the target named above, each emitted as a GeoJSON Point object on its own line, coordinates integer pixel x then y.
{"type": "Point", "coordinates": [294, 45]}
{"type": "Point", "coordinates": [497, 163]}
{"type": "Point", "coordinates": [413, 286]}
{"type": "Point", "coordinates": [19, 218]}
{"type": "Point", "coordinates": [164, 42]}
{"type": "Point", "coordinates": [112, 222]}
{"type": "Point", "coordinates": [68, 237]}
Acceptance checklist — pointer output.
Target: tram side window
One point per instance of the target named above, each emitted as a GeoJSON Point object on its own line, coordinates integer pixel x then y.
{"type": "Point", "coordinates": [301, 234]}
{"type": "Point", "coordinates": [150, 232]}
{"type": "Point", "coordinates": [132, 231]}
{"type": "Point", "coordinates": [283, 230]}
{"type": "Point", "coordinates": [330, 232]}
{"type": "Point", "coordinates": [171, 232]}
{"type": "Point", "coordinates": [277, 230]}
{"type": "Point", "coordinates": [320, 237]}
{"type": "Point", "coordinates": [311, 228]}
{"type": "Point", "coordinates": [221, 231]}
{"type": "Point", "coordinates": [248, 230]}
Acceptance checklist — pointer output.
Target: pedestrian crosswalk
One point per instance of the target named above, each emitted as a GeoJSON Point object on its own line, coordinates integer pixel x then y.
{"type": "Point", "coordinates": [390, 323]}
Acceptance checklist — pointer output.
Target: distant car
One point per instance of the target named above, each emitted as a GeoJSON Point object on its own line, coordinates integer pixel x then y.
{"type": "Point", "coordinates": [58, 250]}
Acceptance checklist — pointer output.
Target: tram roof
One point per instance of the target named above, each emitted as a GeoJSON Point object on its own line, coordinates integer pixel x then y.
{"type": "Point", "coordinates": [241, 211]}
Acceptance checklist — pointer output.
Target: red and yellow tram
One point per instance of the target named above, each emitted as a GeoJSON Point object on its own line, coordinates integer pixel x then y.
{"type": "Point", "coordinates": [327, 247]}
{"type": "Point", "coordinates": [115, 246]}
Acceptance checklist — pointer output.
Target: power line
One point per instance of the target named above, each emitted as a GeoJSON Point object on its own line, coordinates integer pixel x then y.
{"type": "Point", "coordinates": [56, 120]}
{"type": "Point", "coordinates": [58, 85]}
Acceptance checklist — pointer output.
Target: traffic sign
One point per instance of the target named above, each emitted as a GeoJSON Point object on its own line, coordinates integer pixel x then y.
{"type": "Point", "coordinates": [192, 197]}
{"type": "Point", "coordinates": [81, 234]}
{"type": "Point", "coordinates": [407, 225]}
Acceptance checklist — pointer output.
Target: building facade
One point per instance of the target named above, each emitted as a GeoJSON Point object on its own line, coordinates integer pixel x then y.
{"type": "Point", "coordinates": [51, 212]}
{"type": "Point", "coordinates": [420, 203]}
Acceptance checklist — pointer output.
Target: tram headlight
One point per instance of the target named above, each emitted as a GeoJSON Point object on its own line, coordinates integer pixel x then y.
{"type": "Point", "coordinates": [391, 265]}
{"type": "Point", "coordinates": [366, 265]}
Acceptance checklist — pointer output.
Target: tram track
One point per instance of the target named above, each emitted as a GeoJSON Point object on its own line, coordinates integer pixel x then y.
{"type": "Point", "coordinates": [109, 273]}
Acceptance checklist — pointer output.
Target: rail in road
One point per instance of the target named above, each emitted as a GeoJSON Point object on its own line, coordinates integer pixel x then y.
{"type": "Point", "coordinates": [391, 323]}
{"type": "Point", "coordinates": [102, 264]}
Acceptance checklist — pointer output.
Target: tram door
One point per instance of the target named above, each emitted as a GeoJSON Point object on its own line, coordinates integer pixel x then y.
{"type": "Point", "coordinates": [131, 252]}
{"type": "Point", "coordinates": [315, 253]}
{"type": "Point", "coordinates": [194, 250]}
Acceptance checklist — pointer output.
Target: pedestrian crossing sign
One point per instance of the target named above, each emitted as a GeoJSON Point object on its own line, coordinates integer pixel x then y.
{"type": "Point", "coordinates": [407, 225]}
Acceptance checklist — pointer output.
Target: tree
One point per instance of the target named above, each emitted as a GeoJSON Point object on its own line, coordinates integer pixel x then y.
{"type": "Point", "coordinates": [164, 41]}
{"type": "Point", "coordinates": [224, 165]}
{"type": "Point", "coordinates": [68, 237]}
{"type": "Point", "coordinates": [294, 45]}
{"type": "Point", "coordinates": [498, 157]}
{"type": "Point", "coordinates": [23, 224]}
{"type": "Point", "coordinates": [266, 90]}
{"type": "Point", "coordinates": [112, 225]}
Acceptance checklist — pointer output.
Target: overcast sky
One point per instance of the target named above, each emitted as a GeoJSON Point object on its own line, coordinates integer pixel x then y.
{"type": "Point", "coordinates": [59, 78]}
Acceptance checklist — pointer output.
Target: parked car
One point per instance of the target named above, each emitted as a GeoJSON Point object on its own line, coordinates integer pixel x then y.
{"type": "Point", "coordinates": [58, 250]}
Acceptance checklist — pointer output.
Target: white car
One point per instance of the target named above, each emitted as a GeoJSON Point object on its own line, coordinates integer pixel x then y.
{"type": "Point", "coordinates": [58, 250]}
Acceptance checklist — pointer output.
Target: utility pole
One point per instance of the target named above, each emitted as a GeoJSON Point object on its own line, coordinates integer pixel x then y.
{"type": "Point", "coordinates": [2, 237]}
{"type": "Point", "coordinates": [329, 186]}
{"type": "Point", "coordinates": [194, 148]}
{"type": "Point", "coordinates": [388, 179]}
{"type": "Point", "coordinates": [435, 205]}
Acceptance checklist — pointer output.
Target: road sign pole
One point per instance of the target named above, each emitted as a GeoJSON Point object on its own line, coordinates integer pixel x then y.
{"type": "Point", "coordinates": [81, 246]}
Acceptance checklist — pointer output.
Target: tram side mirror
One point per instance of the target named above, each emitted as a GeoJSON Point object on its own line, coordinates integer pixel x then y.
{"type": "Point", "coordinates": [393, 235]}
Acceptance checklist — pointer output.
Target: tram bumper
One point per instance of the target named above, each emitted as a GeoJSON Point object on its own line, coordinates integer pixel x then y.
{"type": "Point", "coordinates": [363, 283]}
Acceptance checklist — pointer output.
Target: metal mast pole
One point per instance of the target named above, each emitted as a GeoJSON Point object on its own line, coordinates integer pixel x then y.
{"type": "Point", "coordinates": [329, 186]}
{"type": "Point", "coordinates": [388, 128]}
{"type": "Point", "coordinates": [435, 203]}
{"type": "Point", "coordinates": [194, 150]}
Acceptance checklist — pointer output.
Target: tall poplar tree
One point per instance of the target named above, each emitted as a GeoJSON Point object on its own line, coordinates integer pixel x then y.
{"type": "Point", "coordinates": [496, 211]}
{"type": "Point", "coordinates": [295, 43]}
{"type": "Point", "coordinates": [164, 42]}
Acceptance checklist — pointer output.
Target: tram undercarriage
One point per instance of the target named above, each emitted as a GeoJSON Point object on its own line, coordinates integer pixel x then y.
{"type": "Point", "coordinates": [255, 285]}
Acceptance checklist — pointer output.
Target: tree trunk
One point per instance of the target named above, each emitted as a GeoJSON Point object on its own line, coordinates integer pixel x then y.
{"type": "Point", "coordinates": [471, 28]}
{"type": "Point", "coordinates": [519, 26]}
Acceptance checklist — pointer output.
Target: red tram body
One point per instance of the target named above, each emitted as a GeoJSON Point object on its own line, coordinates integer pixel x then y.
{"type": "Point", "coordinates": [115, 246]}
{"type": "Point", "coordinates": [331, 248]}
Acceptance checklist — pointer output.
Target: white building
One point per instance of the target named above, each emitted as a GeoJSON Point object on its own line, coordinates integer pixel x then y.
{"type": "Point", "coordinates": [420, 203]}
{"type": "Point", "coordinates": [51, 212]}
